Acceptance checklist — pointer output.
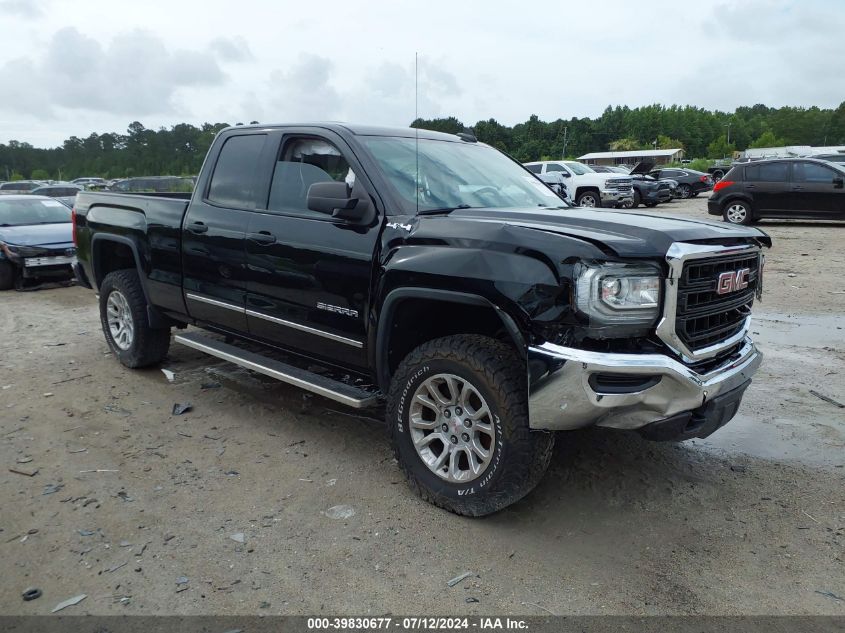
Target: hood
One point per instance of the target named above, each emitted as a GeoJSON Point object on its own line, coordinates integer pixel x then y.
{"type": "Point", "coordinates": [643, 167]}
{"type": "Point", "coordinates": [626, 234]}
{"type": "Point", "coordinates": [49, 235]}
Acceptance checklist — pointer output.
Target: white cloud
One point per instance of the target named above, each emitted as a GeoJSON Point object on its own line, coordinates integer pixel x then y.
{"type": "Point", "coordinates": [355, 61]}
{"type": "Point", "coordinates": [231, 49]}
{"type": "Point", "coordinates": [23, 8]}
{"type": "Point", "coordinates": [134, 75]}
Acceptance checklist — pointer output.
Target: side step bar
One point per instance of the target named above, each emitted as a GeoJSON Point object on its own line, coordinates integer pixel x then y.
{"type": "Point", "coordinates": [315, 383]}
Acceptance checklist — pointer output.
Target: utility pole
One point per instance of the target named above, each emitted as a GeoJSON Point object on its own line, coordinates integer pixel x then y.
{"type": "Point", "coordinates": [565, 133]}
{"type": "Point", "coordinates": [728, 125]}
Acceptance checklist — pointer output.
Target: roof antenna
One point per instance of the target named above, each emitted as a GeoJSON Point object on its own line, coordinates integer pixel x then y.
{"type": "Point", "coordinates": [417, 124]}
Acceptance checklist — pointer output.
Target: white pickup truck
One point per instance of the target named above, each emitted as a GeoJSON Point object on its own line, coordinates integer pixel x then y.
{"type": "Point", "coordinates": [586, 187]}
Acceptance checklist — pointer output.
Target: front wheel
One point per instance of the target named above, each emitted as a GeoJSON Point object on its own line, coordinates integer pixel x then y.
{"type": "Point", "coordinates": [123, 314]}
{"type": "Point", "coordinates": [458, 410]}
{"type": "Point", "coordinates": [737, 212]}
{"type": "Point", "coordinates": [589, 199]}
{"type": "Point", "coordinates": [637, 199]}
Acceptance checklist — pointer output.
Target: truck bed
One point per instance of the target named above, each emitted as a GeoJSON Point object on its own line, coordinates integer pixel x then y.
{"type": "Point", "coordinates": [149, 228]}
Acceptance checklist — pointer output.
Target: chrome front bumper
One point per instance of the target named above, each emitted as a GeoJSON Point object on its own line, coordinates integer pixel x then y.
{"type": "Point", "coordinates": [616, 196]}
{"type": "Point", "coordinates": [561, 396]}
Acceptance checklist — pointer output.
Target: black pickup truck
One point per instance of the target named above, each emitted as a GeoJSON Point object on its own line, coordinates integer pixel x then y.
{"type": "Point", "coordinates": [434, 274]}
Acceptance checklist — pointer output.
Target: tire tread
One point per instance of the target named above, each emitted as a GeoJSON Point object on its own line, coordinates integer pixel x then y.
{"type": "Point", "coordinates": [528, 453]}
{"type": "Point", "coordinates": [151, 344]}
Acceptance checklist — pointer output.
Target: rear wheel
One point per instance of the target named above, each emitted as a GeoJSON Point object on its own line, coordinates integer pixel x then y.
{"type": "Point", "coordinates": [685, 191]}
{"type": "Point", "coordinates": [458, 410]}
{"type": "Point", "coordinates": [737, 212]}
{"type": "Point", "coordinates": [123, 314]}
{"type": "Point", "coordinates": [7, 276]}
{"type": "Point", "coordinates": [589, 199]}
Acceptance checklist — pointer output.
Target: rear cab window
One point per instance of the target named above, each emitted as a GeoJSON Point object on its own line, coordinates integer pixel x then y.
{"type": "Point", "coordinates": [233, 182]}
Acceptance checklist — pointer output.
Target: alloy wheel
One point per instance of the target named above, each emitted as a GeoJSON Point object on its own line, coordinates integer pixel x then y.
{"type": "Point", "coordinates": [736, 213]}
{"type": "Point", "coordinates": [119, 317]}
{"type": "Point", "coordinates": [588, 200]}
{"type": "Point", "coordinates": [452, 428]}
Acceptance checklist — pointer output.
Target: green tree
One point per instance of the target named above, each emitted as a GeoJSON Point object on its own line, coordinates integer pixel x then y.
{"type": "Point", "coordinates": [667, 142]}
{"type": "Point", "coordinates": [720, 148]}
{"type": "Point", "coordinates": [40, 174]}
{"type": "Point", "coordinates": [768, 139]}
{"type": "Point", "coordinates": [624, 145]}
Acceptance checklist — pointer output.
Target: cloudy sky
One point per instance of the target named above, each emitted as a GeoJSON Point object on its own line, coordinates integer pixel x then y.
{"type": "Point", "coordinates": [70, 67]}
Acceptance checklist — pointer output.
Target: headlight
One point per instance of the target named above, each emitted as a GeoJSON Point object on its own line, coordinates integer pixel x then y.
{"type": "Point", "coordinates": [26, 251]}
{"type": "Point", "coordinates": [622, 294]}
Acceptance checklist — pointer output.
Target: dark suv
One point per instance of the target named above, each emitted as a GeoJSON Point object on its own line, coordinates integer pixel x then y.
{"type": "Point", "coordinates": [780, 188]}
{"type": "Point", "coordinates": [690, 182]}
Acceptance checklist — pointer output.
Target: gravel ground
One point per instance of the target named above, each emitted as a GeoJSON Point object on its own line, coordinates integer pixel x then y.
{"type": "Point", "coordinates": [225, 509]}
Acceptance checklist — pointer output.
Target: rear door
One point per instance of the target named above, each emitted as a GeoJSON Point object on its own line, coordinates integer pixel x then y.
{"type": "Point", "coordinates": [309, 274]}
{"type": "Point", "coordinates": [213, 232]}
{"type": "Point", "coordinates": [817, 191]}
{"type": "Point", "coordinates": [769, 188]}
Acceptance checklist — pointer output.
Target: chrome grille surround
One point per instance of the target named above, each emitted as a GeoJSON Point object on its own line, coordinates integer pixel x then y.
{"type": "Point", "coordinates": [678, 255]}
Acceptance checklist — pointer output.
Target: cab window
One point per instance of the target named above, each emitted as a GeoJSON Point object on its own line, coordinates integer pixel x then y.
{"type": "Point", "coordinates": [303, 162]}
{"type": "Point", "coordinates": [232, 183]}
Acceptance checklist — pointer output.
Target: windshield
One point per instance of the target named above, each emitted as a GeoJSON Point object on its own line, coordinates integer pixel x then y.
{"type": "Point", "coordinates": [580, 169]}
{"type": "Point", "coordinates": [24, 212]}
{"type": "Point", "coordinates": [456, 175]}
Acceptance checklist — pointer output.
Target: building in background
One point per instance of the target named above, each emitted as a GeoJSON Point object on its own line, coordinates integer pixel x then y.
{"type": "Point", "coordinates": [659, 156]}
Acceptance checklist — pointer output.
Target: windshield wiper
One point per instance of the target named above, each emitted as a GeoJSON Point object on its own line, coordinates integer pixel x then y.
{"type": "Point", "coordinates": [443, 210]}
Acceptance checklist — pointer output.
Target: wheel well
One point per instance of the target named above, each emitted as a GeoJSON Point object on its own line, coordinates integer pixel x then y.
{"type": "Point", "coordinates": [416, 321]}
{"type": "Point", "coordinates": [747, 203]}
{"type": "Point", "coordinates": [581, 190]}
{"type": "Point", "coordinates": [111, 256]}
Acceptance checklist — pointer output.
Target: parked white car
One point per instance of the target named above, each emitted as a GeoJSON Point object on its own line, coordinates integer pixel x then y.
{"type": "Point", "coordinates": [587, 188]}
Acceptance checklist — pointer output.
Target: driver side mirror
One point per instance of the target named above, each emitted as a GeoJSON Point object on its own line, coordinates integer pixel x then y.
{"type": "Point", "coordinates": [335, 199]}
{"type": "Point", "coordinates": [565, 174]}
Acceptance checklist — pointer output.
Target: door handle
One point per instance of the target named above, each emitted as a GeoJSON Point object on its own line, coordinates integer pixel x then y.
{"type": "Point", "coordinates": [750, 187]}
{"type": "Point", "coordinates": [798, 188]}
{"type": "Point", "coordinates": [262, 237]}
{"type": "Point", "coordinates": [197, 227]}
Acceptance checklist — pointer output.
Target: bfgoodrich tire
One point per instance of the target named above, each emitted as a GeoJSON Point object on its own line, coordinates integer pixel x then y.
{"type": "Point", "coordinates": [123, 315]}
{"type": "Point", "coordinates": [458, 411]}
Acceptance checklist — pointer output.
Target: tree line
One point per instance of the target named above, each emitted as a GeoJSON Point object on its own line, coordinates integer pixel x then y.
{"type": "Point", "coordinates": [702, 133]}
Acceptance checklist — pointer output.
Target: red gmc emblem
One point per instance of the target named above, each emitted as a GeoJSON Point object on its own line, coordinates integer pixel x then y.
{"type": "Point", "coordinates": [733, 281]}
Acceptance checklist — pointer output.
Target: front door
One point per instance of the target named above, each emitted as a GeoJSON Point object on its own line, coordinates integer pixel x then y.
{"type": "Point", "coordinates": [213, 233]}
{"type": "Point", "coordinates": [310, 274]}
{"type": "Point", "coordinates": [817, 191]}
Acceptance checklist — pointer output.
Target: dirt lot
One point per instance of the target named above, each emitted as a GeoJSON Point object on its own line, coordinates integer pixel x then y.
{"type": "Point", "coordinates": [137, 508]}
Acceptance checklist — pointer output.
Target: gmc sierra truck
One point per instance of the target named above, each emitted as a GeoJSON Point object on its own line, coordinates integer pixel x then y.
{"type": "Point", "coordinates": [435, 274]}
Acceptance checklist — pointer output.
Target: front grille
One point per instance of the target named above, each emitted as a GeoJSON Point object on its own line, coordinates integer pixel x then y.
{"type": "Point", "coordinates": [621, 184]}
{"type": "Point", "coordinates": [702, 316]}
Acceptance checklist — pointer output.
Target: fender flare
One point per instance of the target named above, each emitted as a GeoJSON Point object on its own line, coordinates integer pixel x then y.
{"type": "Point", "coordinates": [395, 297]}
{"type": "Point", "coordinates": [155, 317]}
